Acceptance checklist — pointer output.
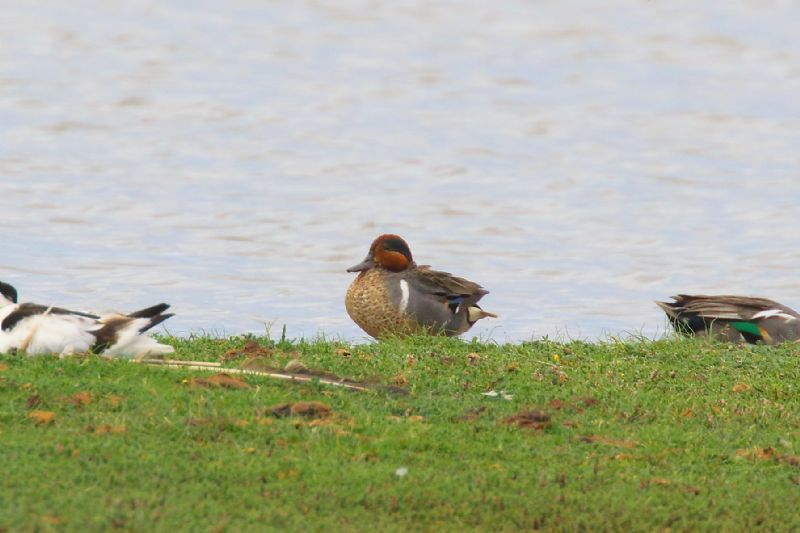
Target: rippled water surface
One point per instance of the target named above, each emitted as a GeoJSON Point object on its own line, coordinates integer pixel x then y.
{"type": "Point", "coordinates": [578, 159]}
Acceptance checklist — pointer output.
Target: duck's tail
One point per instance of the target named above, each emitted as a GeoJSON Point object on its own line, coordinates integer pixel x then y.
{"type": "Point", "coordinates": [475, 313]}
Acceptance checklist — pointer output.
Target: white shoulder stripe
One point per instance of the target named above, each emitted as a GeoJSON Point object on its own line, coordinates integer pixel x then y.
{"type": "Point", "coordinates": [404, 295]}
{"type": "Point", "coordinates": [769, 313]}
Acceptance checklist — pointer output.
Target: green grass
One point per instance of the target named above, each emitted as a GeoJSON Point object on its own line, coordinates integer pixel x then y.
{"type": "Point", "coordinates": [674, 435]}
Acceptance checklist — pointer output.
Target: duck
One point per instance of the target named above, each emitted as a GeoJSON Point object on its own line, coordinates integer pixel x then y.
{"type": "Point", "coordinates": [393, 296]}
{"type": "Point", "coordinates": [45, 329]}
{"type": "Point", "coordinates": [733, 318]}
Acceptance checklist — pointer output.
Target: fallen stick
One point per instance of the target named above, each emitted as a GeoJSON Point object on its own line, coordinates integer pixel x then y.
{"type": "Point", "coordinates": [218, 368]}
{"type": "Point", "coordinates": [178, 362]}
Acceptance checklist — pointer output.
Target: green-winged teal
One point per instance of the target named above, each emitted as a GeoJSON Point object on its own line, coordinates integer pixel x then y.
{"type": "Point", "coordinates": [733, 318]}
{"type": "Point", "coordinates": [393, 296]}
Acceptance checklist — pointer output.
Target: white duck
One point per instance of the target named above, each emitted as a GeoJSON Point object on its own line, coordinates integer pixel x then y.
{"type": "Point", "coordinates": [40, 329]}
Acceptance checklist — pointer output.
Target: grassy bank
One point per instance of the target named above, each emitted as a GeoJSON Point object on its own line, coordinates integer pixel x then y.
{"type": "Point", "coordinates": [679, 435]}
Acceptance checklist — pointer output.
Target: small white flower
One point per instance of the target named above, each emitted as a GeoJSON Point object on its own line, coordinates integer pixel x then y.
{"type": "Point", "coordinates": [401, 472]}
{"type": "Point", "coordinates": [494, 394]}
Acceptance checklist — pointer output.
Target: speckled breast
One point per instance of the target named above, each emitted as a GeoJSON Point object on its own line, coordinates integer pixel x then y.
{"type": "Point", "coordinates": [369, 303]}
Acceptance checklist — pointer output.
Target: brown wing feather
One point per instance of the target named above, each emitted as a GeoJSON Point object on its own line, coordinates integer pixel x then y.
{"type": "Point", "coordinates": [445, 284]}
{"type": "Point", "coordinates": [725, 306]}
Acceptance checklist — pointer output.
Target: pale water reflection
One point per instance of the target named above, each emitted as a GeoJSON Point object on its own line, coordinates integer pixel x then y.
{"type": "Point", "coordinates": [579, 159]}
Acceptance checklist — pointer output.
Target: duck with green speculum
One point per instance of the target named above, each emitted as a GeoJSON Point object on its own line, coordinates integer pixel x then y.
{"type": "Point", "coordinates": [733, 318]}
{"type": "Point", "coordinates": [392, 295]}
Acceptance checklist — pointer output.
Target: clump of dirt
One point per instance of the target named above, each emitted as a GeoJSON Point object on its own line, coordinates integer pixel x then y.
{"type": "Point", "coordinates": [222, 380]}
{"type": "Point", "coordinates": [532, 419]}
{"type": "Point", "coordinates": [251, 350]}
{"type": "Point", "coordinates": [309, 409]}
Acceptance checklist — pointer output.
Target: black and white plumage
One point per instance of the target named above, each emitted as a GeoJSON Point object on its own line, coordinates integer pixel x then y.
{"type": "Point", "coordinates": [40, 329]}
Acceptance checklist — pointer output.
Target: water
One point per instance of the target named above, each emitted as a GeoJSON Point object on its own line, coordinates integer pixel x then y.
{"type": "Point", "coordinates": [578, 159]}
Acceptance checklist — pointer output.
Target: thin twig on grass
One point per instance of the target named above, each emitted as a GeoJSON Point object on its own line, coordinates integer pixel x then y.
{"type": "Point", "coordinates": [217, 367]}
